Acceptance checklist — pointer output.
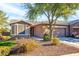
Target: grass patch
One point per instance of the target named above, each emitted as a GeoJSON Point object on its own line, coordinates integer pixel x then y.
{"type": "Point", "coordinates": [7, 43]}
{"type": "Point", "coordinates": [5, 47]}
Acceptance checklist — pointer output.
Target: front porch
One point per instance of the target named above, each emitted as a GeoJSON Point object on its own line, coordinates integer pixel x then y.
{"type": "Point", "coordinates": [21, 36]}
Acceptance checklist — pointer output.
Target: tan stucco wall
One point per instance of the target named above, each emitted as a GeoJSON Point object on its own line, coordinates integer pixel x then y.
{"type": "Point", "coordinates": [39, 30]}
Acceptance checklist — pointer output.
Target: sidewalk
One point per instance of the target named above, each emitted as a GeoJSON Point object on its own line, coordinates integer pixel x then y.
{"type": "Point", "coordinates": [76, 45]}
{"type": "Point", "coordinates": [74, 54]}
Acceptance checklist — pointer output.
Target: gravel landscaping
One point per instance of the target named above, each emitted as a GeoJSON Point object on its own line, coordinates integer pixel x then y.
{"type": "Point", "coordinates": [46, 49]}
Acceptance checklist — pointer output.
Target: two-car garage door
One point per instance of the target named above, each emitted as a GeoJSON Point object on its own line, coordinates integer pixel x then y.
{"type": "Point", "coordinates": [59, 32]}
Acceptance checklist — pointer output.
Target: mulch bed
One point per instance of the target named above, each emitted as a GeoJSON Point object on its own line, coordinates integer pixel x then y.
{"type": "Point", "coordinates": [46, 49]}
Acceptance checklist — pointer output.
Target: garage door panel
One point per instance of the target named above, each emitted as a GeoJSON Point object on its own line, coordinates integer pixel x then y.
{"type": "Point", "coordinates": [59, 32]}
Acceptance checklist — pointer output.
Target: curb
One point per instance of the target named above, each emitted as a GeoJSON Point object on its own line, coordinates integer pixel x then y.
{"type": "Point", "coordinates": [76, 45]}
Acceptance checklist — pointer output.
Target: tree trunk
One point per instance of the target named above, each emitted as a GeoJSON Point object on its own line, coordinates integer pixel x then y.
{"type": "Point", "coordinates": [50, 31]}
{"type": "Point", "coordinates": [53, 28]}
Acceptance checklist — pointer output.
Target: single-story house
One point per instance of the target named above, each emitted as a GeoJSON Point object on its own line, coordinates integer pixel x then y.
{"type": "Point", "coordinates": [37, 28]}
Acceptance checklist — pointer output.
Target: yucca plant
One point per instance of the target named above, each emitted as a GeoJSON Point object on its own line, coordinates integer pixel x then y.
{"type": "Point", "coordinates": [46, 37]}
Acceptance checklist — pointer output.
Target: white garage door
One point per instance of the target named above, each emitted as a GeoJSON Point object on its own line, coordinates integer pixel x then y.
{"type": "Point", "coordinates": [59, 32]}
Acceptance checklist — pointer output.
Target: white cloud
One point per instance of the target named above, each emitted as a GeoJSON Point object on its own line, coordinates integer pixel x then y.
{"type": "Point", "coordinates": [11, 9]}
{"type": "Point", "coordinates": [19, 18]}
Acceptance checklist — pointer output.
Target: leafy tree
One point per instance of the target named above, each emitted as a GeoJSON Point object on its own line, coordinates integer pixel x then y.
{"type": "Point", "coordinates": [52, 11]}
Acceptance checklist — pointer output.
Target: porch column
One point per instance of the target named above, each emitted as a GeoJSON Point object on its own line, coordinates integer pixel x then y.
{"type": "Point", "coordinates": [25, 29]}
{"type": "Point", "coordinates": [69, 30]}
{"type": "Point", "coordinates": [17, 29]}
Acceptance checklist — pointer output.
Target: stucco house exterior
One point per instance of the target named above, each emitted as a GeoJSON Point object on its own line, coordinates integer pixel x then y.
{"type": "Point", "coordinates": [37, 29]}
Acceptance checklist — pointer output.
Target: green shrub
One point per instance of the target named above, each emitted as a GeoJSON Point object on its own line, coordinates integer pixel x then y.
{"type": "Point", "coordinates": [46, 37]}
{"type": "Point", "coordinates": [4, 50]}
{"type": "Point", "coordinates": [55, 41]}
{"type": "Point", "coordinates": [4, 43]}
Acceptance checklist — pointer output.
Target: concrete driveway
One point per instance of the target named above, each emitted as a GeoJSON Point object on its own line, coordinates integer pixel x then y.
{"type": "Point", "coordinates": [69, 39]}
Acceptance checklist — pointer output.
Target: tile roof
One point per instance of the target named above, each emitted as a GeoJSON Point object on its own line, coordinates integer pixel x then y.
{"type": "Point", "coordinates": [74, 22]}
{"type": "Point", "coordinates": [40, 22]}
{"type": "Point", "coordinates": [57, 22]}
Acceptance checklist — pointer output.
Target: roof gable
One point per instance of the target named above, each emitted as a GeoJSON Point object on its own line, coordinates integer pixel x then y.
{"type": "Point", "coordinates": [20, 22]}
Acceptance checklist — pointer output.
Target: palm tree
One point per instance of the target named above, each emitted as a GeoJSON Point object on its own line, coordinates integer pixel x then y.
{"type": "Point", "coordinates": [52, 11]}
{"type": "Point", "coordinates": [3, 19]}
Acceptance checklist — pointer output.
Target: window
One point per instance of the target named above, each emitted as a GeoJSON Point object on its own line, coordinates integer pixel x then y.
{"type": "Point", "coordinates": [14, 29]}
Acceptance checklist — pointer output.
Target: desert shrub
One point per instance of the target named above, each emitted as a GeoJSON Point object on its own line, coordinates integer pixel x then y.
{"type": "Point", "coordinates": [0, 38]}
{"type": "Point", "coordinates": [5, 38]}
{"type": "Point", "coordinates": [28, 45]}
{"type": "Point", "coordinates": [46, 37]}
{"type": "Point", "coordinates": [4, 50]}
{"type": "Point", "coordinates": [55, 41]}
{"type": "Point", "coordinates": [31, 45]}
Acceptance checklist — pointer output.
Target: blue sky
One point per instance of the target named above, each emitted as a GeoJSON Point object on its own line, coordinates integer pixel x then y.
{"type": "Point", "coordinates": [13, 10]}
{"type": "Point", "coordinates": [16, 11]}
